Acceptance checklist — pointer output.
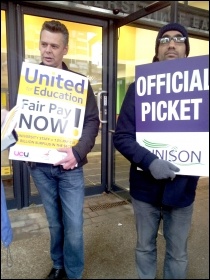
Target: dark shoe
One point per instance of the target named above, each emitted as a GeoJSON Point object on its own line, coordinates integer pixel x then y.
{"type": "Point", "coordinates": [57, 274]}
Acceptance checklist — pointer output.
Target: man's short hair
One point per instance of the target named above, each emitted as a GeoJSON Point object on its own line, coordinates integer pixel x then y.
{"type": "Point", "coordinates": [55, 26]}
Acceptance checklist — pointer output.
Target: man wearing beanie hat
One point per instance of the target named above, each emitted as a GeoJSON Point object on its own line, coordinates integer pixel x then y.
{"type": "Point", "coordinates": [157, 193]}
{"type": "Point", "coordinates": [179, 30]}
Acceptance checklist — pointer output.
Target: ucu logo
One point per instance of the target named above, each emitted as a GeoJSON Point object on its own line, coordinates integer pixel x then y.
{"type": "Point", "coordinates": [21, 154]}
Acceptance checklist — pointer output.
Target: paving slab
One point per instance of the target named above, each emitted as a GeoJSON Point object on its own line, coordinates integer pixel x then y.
{"type": "Point", "coordinates": [110, 239]}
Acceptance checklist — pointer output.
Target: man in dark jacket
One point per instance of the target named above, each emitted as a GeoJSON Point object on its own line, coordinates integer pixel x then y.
{"type": "Point", "coordinates": [157, 192]}
{"type": "Point", "coordinates": [61, 185]}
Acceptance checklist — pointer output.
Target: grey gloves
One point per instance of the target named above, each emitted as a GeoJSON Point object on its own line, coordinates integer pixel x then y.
{"type": "Point", "coordinates": [162, 169]}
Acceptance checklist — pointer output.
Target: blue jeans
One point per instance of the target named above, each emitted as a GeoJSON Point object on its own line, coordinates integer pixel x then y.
{"type": "Point", "coordinates": [176, 227]}
{"type": "Point", "coordinates": [62, 194]}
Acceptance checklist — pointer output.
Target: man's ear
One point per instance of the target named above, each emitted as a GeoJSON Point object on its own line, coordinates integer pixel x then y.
{"type": "Point", "coordinates": [65, 50]}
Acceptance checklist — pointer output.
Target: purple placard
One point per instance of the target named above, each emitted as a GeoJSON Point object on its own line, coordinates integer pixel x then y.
{"type": "Point", "coordinates": [173, 95]}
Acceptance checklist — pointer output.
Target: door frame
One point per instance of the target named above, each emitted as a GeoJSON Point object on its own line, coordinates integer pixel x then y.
{"type": "Point", "coordinates": [15, 53]}
{"type": "Point", "coordinates": [14, 18]}
{"type": "Point", "coordinates": [130, 19]}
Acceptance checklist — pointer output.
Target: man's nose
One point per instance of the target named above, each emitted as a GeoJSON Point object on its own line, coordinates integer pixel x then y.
{"type": "Point", "coordinates": [48, 48]}
{"type": "Point", "coordinates": [171, 43]}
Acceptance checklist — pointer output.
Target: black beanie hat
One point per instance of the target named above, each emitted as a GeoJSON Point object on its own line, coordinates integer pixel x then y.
{"type": "Point", "coordinates": [168, 27]}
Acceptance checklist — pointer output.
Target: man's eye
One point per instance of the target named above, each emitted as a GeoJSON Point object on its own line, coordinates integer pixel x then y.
{"type": "Point", "coordinates": [164, 40]}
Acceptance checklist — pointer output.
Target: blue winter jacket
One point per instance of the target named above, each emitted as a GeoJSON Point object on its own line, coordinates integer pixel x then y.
{"type": "Point", "coordinates": [143, 186]}
{"type": "Point", "coordinates": [6, 229]}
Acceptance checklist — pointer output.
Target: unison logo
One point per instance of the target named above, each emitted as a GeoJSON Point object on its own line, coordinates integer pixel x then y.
{"type": "Point", "coordinates": [170, 153]}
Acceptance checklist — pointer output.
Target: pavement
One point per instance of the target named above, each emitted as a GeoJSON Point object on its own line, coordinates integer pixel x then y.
{"type": "Point", "coordinates": [110, 238]}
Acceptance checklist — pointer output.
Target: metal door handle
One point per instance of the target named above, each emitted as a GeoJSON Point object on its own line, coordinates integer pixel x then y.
{"type": "Point", "coordinates": [102, 105]}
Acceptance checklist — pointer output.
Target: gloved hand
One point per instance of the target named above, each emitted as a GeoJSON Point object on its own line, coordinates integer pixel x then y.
{"type": "Point", "coordinates": [162, 169]}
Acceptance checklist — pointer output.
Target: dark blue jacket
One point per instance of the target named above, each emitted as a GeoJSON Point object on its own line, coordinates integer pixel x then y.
{"type": "Point", "coordinates": [177, 193]}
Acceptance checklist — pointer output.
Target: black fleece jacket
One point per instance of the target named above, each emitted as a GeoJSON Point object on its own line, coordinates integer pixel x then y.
{"type": "Point", "coordinates": [143, 186]}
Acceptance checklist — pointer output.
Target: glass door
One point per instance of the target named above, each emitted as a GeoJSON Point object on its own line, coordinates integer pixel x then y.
{"type": "Point", "coordinates": [85, 57]}
{"type": "Point", "coordinates": [141, 51]}
{"type": "Point", "coordinates": [87, 53]}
